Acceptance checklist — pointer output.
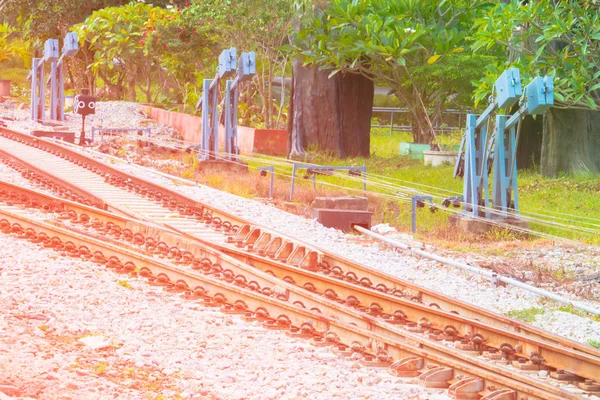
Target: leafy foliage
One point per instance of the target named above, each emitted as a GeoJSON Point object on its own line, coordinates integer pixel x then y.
{"type": "Point", "coordinates": [546, 37]}
{"type": "Point", "coordinates": [173, 48]}
{"type": "Point", "coordinates": [397, 43]}
{"type": "Point", "coordinates": [185, 45]}
{"type": "Point", "coordinates": [53, 19]}
{"type": "Point", "coordinates": [262, 26]}
{"type": "Point", "coordinates": [116, 36]}
{"type": "Point", "coordinates": [11, 43]}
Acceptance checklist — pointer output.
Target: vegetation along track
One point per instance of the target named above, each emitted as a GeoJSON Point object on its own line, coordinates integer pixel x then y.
{"type": "Point", "coordinates": [390, 316]}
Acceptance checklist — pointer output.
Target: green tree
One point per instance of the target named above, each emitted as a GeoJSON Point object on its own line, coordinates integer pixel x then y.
{"type": "Point", "coordinates": [394, 43]}
{"type": "Point", "coordinates": [12, 44]}
{"type": "Point", "coordinates": [262, 26]}
{"type": "Point", "coordinates": [449, 83]}
{"type": "Point", "coordinates": [186, 45]}
{"type": "Point", "coordinates": [52, 19]}
{"type": "Point", "coordinates": [559, 38]}
{"type": "Point", "coordinates": [116, 36]}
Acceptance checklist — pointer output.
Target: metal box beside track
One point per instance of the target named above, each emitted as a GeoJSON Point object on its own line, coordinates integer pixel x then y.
{"type": "Point", "coordinates": [51, 50]}
{"type": "Point", "coordinates": [508, 88]}
{"type": "Point", "coordinates": [70, 44]}
{"type": "Point", "coordinates": [247, 66]}
{"type": "Point", "coordinates": [342, 219]}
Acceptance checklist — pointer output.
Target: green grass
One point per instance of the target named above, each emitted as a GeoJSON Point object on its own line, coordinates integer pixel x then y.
{"type": "Point", "coordinates": [563, 197]}
{"type": "Point", "coordinates": [572, 310]}
{"type": "Point", "coordinates": [529, 315]}
{"type": "Point", "coordinates": [20, 88]}
{"type": "Point", "coordinates": [526, 315]}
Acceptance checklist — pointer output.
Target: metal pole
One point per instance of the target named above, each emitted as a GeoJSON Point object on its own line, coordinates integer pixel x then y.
{"type": "Point", "coordinates": [293, 181]}
{"type": "Point", "coordinates": [215, 123]}
{"type": "Point", "coordinates": [228, 121]}
{"type": "Point", "coordinates": [272, 181]}
{"type": "Point", "coordinates": [82, 135]}
{"type": "Point", "coordinates": [234, 128]}
{"type": "Point", "coordinates": [414, 214]}
{"type": "Point", "coordinates": [392, 124]}
{"type": "Point", "coordinates": [203, 154]}
{"type": "Point", "coordinates": [53, 90]}
{"type": "Point", "coordinates": [34, 89]}
{"type": "Point", "coordinates": [480, 271]}
{"type": "Point", "coordinates": [42, 87]}
{"type": "Point", "coordinates": [364, 171]}
{"type": "Point", "coordinates": [61, 93]}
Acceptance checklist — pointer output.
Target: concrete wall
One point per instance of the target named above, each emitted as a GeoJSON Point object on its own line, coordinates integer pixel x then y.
{"type": "Point", "coordinates": [190, 126]}
{"type": "Point", "coordinates": [271, 141]}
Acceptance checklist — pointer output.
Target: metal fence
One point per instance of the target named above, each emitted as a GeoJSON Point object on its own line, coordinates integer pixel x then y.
{"type": "Point", "coordinates": [453, 121]}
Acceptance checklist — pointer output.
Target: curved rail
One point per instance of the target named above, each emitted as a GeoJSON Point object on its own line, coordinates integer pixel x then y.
{"type": "Point", "coordinates": [435, 364]}
{"type": "Point", "coordinates": [294, 258]}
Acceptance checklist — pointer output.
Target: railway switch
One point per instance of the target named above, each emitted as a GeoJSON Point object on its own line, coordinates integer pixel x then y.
{"type": "Point", "coordinates": [55, 79]}
{"type": "Point", "coordinates": [490, 145]}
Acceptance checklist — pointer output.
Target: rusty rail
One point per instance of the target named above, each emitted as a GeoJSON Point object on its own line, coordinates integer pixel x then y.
{"type": "Point", "coordinates": [305, 287]}
{"type": "Point", "coordinates": [435, 364]}
{"type": "Point", "coordinates": [290, 254]}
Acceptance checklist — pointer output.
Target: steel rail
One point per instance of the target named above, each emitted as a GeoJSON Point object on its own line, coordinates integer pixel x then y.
{"type": "Point", "coordinates": [81, 195]}
{"type": "Point", "coordinates": [464, 309]}
{"type": "Point", "coordinates": [381, 305]}
{"type": "Point", "coordinates": [100, 167]}
{"type": "Point", "coordinates": [423, 294]}
{"type": "Point", "coordinates": [463, 374]}
{"type": "Point", "coordinates": [480, 271]}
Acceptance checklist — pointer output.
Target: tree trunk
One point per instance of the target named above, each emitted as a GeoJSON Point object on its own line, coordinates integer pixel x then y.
{"type": "Point", "coordinates": [419, 128]}
{"type": "Point", "coordinates": [114, 90]}
{"type": "Point", "coordinates": [329, 114]}
{"type": "Point", "coordinates": [269, 96]}
{"type": "Point", "coordinates": [530, 142]}
{"type": "Point", "coordinates": [131, 90]}
{"type": "Point", "coordinates": [571, 142]}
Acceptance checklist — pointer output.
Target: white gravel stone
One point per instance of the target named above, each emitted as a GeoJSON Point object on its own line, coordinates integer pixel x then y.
{"type": "Point", "coordinates": [449, 280]}
{"type": "Point", "coordinates": [158, 344]}
{"type": "Point", "coordinates": [109, 114]}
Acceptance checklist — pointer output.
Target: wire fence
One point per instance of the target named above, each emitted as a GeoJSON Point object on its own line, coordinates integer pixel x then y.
{"type": "Point", "coordinates": [401, 191]}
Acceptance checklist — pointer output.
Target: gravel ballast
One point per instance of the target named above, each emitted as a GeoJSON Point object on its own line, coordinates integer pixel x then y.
{"type": "Point", "coordinates": [109, 114]}
{"type": "Point", "coordinates": [448, 280]}
{"type": "Point", "coordinates": [73, 330]}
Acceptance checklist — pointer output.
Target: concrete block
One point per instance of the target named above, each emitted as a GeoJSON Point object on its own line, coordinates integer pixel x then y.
{"type": "Point", "coordinates": [216, 166]}
{"type": "Point", "coordinates": [413, 150]}
{"type": "Point", "coordinates": [436, 158]}
{"type": "Point", "coordinates": [271, 141]}
{"type": "Point", "coordinates": [60, 135]}
{"type": "Point", "coordinates": [481, 227]}
{"type": "Point", "coordinates": [4, 88]}
{"type": "Point", "coordinates": [342, 219]}
{"type": "Point", "coordinates": [341, 203]}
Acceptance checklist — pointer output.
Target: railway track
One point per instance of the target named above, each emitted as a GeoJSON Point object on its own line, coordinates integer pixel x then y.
{"type": "Point", "coordinates": [392, 312]}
